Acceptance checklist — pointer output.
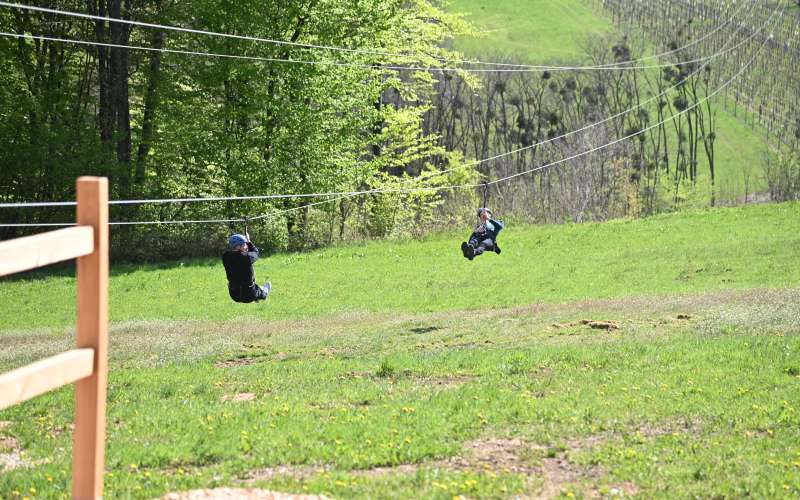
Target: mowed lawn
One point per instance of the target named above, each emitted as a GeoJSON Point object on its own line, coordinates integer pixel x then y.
{"type": "Point", "coordinates": [548, 31]}
{"type": "Point", "coordinates": [686, 252]}
{"type": "Point", "coordinates": [657, 358]}
{"type": "Point", "coordinates": [535, 30]}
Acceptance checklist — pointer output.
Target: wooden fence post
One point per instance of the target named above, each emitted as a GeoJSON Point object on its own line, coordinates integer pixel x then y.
{"type": "Point", "coordinates": [88, 452]}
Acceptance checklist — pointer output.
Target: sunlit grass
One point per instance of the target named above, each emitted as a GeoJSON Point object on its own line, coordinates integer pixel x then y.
{"type": "Point", "coordinates": [679, 253]}
{"type": "Point", "coordinates": [406, 358]}
{"type": "Point", "coordinates": [650, 406]}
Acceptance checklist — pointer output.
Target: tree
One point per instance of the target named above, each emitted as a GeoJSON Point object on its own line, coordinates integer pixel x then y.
{"type": "Point", "coordinates": [174, 125]}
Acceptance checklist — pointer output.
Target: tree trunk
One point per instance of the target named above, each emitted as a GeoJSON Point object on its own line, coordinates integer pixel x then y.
{"type": "Point", "coordinates": [113, 67]}
{"type": "Point", "coordinates": [150, 104]}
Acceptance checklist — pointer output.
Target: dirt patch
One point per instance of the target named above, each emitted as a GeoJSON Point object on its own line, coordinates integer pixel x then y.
{"type": "Point", "coordinates": [435, 380]}
{"type": "Point", "coordinates": [591, 323]}
{"type": "Point", "coordinates": [587, 442]}
{"type": "Point", "coordinates": [239, 494]}
{"type": "Point", "coordinates": [242, 396]}
{"type": "Point", "coordinates": [424, 329]}
{"type": "Point", "coordinates": [337, 352]}
{"type": "Point", "coordinates": [292, 471]}
{"type": "Point", "coordinates": [691, 427]}
{"type": "Point", "coordinates": [498, 455]}
{"type": "Point", "coordinates": [351, 375]}
{"type": "Point", "coordinates": [493, 454]}
{"type": "Point", "coordinates": [446, 381]}
{"type": "Point", "coordinates": [13, 460]}
{"type": "Point", "coordinates": [251, 359]}
{"type": "Point", "coordinates": [600, 324]}
{"type": "Point", "coordinates": [250, 354]}
{"type": "Point", "coordinates": [335, 405]}
{"type": "Point", "coordinates": [644, 431]}
{"type": "Point", "coordinates": [11, 455]}
{"type": "Point", "coordinates": [555, 470]}
{"type": "Point", "coordinates": [8, 443]}
{"type": "Point", "coordinates": [559, 474]}
{"type": "Point", "coordinates": [5, 424]}
{"type": "Point", "coordinates": [385, 471]}
{"type": "Point", "coordinates": [230, 363]}
{"type": "Point", "coordinates": [623, 490]}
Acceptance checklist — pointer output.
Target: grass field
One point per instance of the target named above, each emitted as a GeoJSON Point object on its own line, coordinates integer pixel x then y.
{"type": "Point", "coordinates": [543, 31]}
{"type": "Point", "coordinates": [656, 358]}
{"type": "Point", "coordinates": [535, 30]}
{"type": "Point", "coordinates": [701, 251]}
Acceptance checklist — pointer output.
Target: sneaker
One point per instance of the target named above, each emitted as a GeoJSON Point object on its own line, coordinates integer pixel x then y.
{"type": "Point", "coordinates": [470, 252]}
{"type": "Point", "coordinates": [465, 249]}
{"type": "Point", "coordinates": [496, 249]}
{"type": "Point", "coordinates": [267, 287]}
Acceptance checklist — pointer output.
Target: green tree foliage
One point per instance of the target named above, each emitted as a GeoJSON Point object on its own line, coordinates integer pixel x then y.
{"type": "Point", "coordinates": [175, 125]}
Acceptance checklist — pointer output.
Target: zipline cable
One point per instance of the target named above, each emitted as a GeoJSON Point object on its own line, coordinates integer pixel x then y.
{"type": "Point", "coordinates": [670, 118]}
{"type": "Point", "coordinates": [379, 190]}
{"type": "Point", "coordinates": [543, 167]}
{"type": "Point", "coordinates": [351, 50]}
{"type": "Point", "coordinates": [612, 117]}
{"type": "Point", "coordinates": [340, 64]}
{"type": "Point", "coordinates": [442, 188]}
{"type": "Point", "coordinates": [646, 129]}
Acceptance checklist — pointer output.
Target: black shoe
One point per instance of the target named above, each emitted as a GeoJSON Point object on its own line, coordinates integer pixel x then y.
{"type": "Point", "coordinates": [496, 249]}
{"type": "Point", "coordinates": [465, 249]}
{"type": "Point", "coordinates": [470, 252]}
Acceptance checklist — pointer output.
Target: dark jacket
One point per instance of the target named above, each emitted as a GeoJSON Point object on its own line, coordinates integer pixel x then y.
{"type": "Point", "coordinates": [239, 270]}
{"type": "Point", "coordinates": [489, 230]}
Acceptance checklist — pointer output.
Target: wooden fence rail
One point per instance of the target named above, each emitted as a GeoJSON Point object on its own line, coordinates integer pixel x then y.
{"type": "Point", "coordinates": [87, 365]}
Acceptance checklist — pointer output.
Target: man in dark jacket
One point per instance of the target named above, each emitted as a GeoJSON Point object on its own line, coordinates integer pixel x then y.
{"type": "Point", "coordinates": [484, 237]}
{"type": "Point", "coordinates": [238, 261]}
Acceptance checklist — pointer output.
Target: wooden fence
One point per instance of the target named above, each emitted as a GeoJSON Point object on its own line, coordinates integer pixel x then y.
{"type": "Point", "coordinates": [87, 365]}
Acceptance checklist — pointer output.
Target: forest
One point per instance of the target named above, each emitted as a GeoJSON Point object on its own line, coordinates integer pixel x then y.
{"type": "Point", "coordinates": [331, 96]}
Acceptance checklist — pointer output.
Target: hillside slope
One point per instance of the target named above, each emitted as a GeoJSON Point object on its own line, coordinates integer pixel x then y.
{"type": "Point", "coordinates": [542, 31]}
{"type": "Point", "coordinates": [735, 248]}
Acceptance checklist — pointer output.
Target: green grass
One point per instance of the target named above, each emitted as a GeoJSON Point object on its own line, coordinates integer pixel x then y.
{"type": "Point", "coordinates": [403, 370]}
{"type": "Point", "coordinates": [543, 31]}
{"type": "Point", "coordinates": [687, 252]}
{"type": "Point", "coordinates": [535, 30]}
{"type": "Point", "coordinates": [740, 156]}
{"type": "Point", "coordinates": [664, 407]}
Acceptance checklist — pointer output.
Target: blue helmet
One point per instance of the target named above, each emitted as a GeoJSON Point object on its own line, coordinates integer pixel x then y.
{"type": "Point", "coordinates": [236, 239]}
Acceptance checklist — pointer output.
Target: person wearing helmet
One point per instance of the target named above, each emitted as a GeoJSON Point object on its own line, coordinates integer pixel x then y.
{"type": "Point", "coordinates": [484, 237]}
{"type": "Point", "coordinates": [238, 261]}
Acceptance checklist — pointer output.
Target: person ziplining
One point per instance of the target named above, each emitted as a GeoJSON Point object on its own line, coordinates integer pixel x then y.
{"type": "Point", "coordinates": [484, 236]}
{"type": "Point", "coordinates": [238, 260]}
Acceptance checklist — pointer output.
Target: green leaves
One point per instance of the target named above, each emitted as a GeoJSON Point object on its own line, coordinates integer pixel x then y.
{"type": "Point", "coordinates": [222, 126]}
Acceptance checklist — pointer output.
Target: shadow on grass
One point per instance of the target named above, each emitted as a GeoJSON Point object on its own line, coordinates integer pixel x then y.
{"type": "Point", "coordinates": [424, 329]}
{"type": "Point", "coordinates": [67, 269]}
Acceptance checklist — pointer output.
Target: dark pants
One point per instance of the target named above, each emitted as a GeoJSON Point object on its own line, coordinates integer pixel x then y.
{"type": "Point", "coordinates": [481, 245]}
{"type": "Point", "coordinates": [247, 294]}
